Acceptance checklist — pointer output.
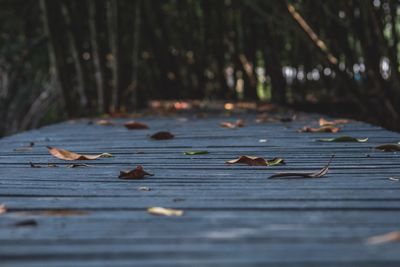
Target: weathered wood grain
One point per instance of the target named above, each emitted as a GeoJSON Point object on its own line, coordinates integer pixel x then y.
{"type": "Point", "coordinates": [234, 215]}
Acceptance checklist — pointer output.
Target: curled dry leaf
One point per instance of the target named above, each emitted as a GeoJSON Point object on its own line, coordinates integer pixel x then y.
{"type": "Point", "coordinates": [3, 208]}
{"type": "Point", "coordinates": [68, 155]}
{"type": "Point", "coordinates": [323, 122]}
{"type": "Point", "coordinates": [317, 174]}
{"type": "Point", "coordinates": [230, 125]}
{"type": "Point", "coordinates": [344, 138]}
{"type": "Point", "coordinates": [162, 136]}
{"type": "Point", "coordinates": [257, 161]}
{"type": "Point", "coordinates": [385, 238]}
{"type": "Point", "coordinates": [134, 125]}
{"type": "Point", "coordinates": [323, 129]}
{"type": "Point", "coordinates": [164, 211]}
{"type": "Point", "coordinates": [104, 122]}
{"type": "Point", "coordinates": [389, 147]}
{"type": "Point", "coordinates": [137, 173]}
{"type": "Point", "coordinates": [197, 152]}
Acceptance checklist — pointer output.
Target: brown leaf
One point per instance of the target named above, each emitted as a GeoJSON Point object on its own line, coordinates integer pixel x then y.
{"type": "Point", "coordinates": [389, 147]}
{"type": "Point", "coordinates": [137, 173]}
{"type": "Point", "coordinates": [134, 125]}
{"type": "Point", "coordinates": [3, 208]}
{"type": "Point", "coordinates": [385, 238]}
{"type": "Point", "coordinates": [164, 211]}
{"type": "Point", "coordinates": [162, 136]}
{"type": "Point", "coordinates": [104, 122]}
{"type": "Point", "coordinates": [256, 161]}
{"type": "Point", "coordinates": [323, 129]}
{"type": "Point", "coordinates": [61, 212]}
{"type": "Point", "coordinates": [68, 155]}
{"type": "Point", "coordinates": [317, 174]}
{"type": "Point", "coordinates": [230, 125]}
{"type": "Point", "coordinates": [323, 122]}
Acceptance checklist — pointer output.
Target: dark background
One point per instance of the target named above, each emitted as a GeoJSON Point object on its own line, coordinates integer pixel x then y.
{"type": "Point", "coordinates": [68, 59]}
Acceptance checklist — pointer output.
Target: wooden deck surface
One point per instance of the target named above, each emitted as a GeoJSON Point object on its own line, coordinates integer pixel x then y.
{"type": "Point", "coordinates": [234, 215]}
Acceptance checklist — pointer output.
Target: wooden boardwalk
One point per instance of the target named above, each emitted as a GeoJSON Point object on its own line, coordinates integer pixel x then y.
{"type": "Point", "coordinates": [234, 215]}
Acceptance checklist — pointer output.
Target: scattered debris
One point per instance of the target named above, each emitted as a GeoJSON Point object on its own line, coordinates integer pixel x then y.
{"type": "Point", "coordinates": [198, 152]}
{"type": "Point", "coordinates": [344, 138]}
{"type": "Point", "coordinates": [134, 125]}
{"type": "Point", "coordinates": [232, 125]}
{"type": "Point", "coordinates": [389, 147]}
{"type": "Point", "coordinates": [164, 211]}
{"type": "Point", "coordinates": [323, 129]}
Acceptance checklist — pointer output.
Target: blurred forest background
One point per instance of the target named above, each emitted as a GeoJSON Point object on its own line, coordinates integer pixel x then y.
{"type": "Point", "coordinates": [72, 58]}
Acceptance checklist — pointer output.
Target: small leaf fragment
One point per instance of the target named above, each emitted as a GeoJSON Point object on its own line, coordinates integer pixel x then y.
{"type": "Point", "coordinates": [134, 125]}
{"type": "Point", "coordinates": [3, 208]}
{"type": "Point", "coordinates": [144, 188]}
{"type": "Point", "coordinates": [385, 238]}
{"type": "Point", "coordinates": [323, 129]}
{"type": "Point", "coordinates": [68, 155]}
{"type": "Point", "coordinates": [104, 122]}
{"type": "Point", "coordinates": [256, 161]}
{"type": "Point", "coordinates": [197, 152]}
{"type": "Point", "coordinates": [317, 174]}
{"type": "Point", "coordinates": [389, 147]}
{"type": "Point", "coordinates": [323, 122]}
{"type": "Point", "coordinates": [344, 138]}
{"type": "Point", "coordinates": [137, 173]}
{"type": "Point", "coordinates": [59, 212]}
{"type": "Point", "coordinates": [232, 125]}
{"type": "Point", "coordinates": [396, 179]}
{"type": "Point", "coordinates": [164, 211]}
{"type": "Point", "coordinates": [162, 136]}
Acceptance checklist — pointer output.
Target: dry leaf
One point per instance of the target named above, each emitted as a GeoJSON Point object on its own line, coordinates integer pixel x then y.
{"type": "Point", "coordinates": [134, 125]}
{"type": "Point", "coordinates": [317, 174]}
{"type": "Point", "coordinates": [68, 155]}
{"type": "Point", "coordinates": [323, 122]}
{"type": "Point", "coordinates": [226, 124]}
{"type": "Point", "coordinates": [394, 179]}
{"type": "Point", "coordinates": [3, 208]}
{"type": "Point", "coordinates": [344, 138]}
{"type": "Point", "coordinates": [61, 212]}
{"type": "Point", "coordinates": [162, 136]}
{"type": "Point", "coordinates": [137, 173]}
{"type": "Point", "coordinates": [257, 161]}
{"type": "Point", "coordinates": [323, 129]}
{"type": "Point", "coordinates": [385, 238]}
{"type": "Point", "coordinates": [104, 122]}
{"type": "Point", "coordinates": [164, 211]}
{"type": "Point", "coordinates": [389, 147]}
